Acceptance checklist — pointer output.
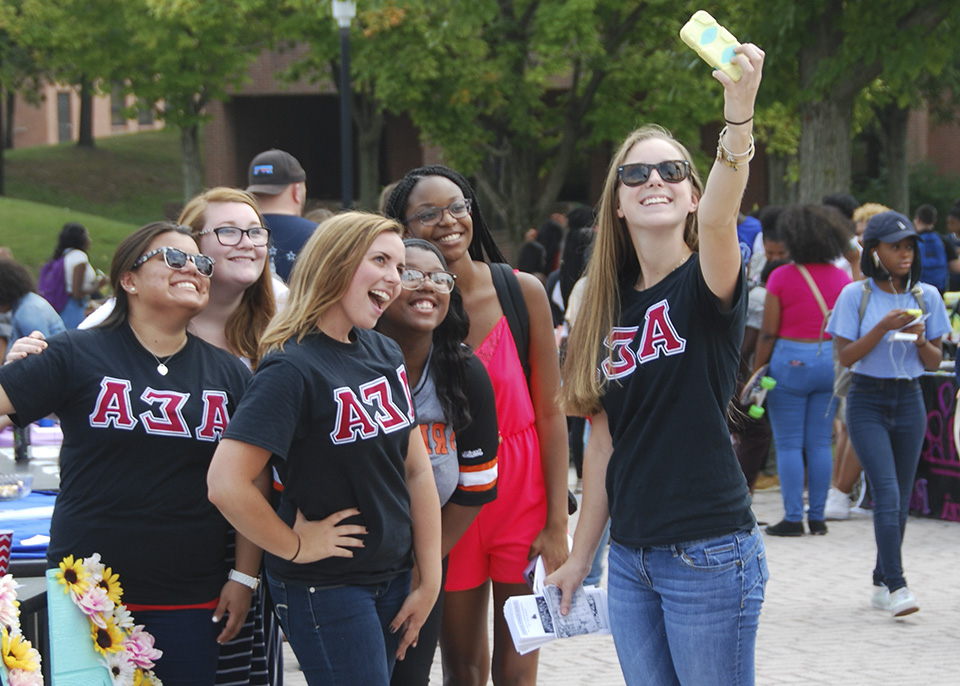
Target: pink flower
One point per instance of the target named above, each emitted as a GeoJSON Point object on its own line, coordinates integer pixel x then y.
{"type": "Point", "coordinates": [139, 645]}
{"type": "Point", "coordinates": [9, 612]}
{"type": "Point", "coordinates": [95, 603]}
{"type": "Point", "coordinates": [21, 677]}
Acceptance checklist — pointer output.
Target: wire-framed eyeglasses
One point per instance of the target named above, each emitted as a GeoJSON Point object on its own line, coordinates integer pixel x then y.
{"type": "Point", "coordinates": [413, 279]}
{"type": "Point", "coordinates": [431, 216]}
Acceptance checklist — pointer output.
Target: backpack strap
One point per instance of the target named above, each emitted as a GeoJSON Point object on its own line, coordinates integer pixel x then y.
{"type": "Point", "coordinates": [514, 309]}
{"type": "Point", "coordinates": [864, 299]}
{"type": "Point", "coordinates": [917, 292]}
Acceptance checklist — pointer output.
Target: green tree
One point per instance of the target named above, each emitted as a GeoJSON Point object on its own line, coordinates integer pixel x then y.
{"type": "Point", "coordinates": [515, 92]}
{"type": "Point", "coordinates": [185, 54]}
{"type": "Point", "coordinates": [823, 54]}
{"type": "Point", "coordinates": [80, 42]}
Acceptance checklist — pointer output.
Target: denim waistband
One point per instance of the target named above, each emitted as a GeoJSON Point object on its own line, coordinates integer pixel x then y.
{"type": "Point", "coordinates": [878, 382]}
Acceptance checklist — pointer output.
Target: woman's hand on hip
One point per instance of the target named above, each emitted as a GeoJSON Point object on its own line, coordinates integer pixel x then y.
{"type": "Point", "coordinates": [327, 537]}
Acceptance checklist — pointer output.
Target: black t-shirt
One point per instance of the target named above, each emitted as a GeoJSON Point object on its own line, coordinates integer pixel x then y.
{"type": "Point", "coordinates": [135, 455]}
{"type": "Point", "coordinates": [673, 475]}
{"type": "Point", "coordinates": [288, 233]}
{"type": "Point", "coordinates": [337, 419]}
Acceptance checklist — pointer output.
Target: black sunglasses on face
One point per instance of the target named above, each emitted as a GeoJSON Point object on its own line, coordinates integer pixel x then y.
{"type": "Point", "coordinates": [175, 258]}
{"type": "Point", "coordinates": [671, 171]}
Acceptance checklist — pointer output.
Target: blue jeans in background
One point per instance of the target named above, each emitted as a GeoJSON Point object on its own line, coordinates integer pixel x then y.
{"type": "Point", "coordinates": [801, 415]}
{"type": "Point", "coordinates": [887, 420]}
{"type": "Point", "coordinates": [188, 639]}
{"type": "Point", "coordinates": [688, 613]}
{"type": "Point", "coordinates": [341, 635]}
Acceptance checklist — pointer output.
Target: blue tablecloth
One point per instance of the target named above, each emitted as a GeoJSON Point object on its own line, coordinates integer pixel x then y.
{"type": "Point", "coordinates": [28, 517]}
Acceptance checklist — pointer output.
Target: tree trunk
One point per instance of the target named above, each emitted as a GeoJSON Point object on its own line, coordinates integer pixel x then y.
{"type": "Point", "coordinates": [824, 149]}
{"type": "Point", "coordinates": [7, 129]}
{"type": "Point", "coordinates": [369, 121]}
{"type": "Point", "coordinates": [192, 167]}
{"type": "Point", "coordinates": [893, 135]}
{"type": "Point", "coordinates": [85, 139]}
{"type": "Point", "coordinates": [3, 143]}
{"type": "Point", "coordinates": [508, 177]}
{"type": "Point", "coordinates": [780, 190]}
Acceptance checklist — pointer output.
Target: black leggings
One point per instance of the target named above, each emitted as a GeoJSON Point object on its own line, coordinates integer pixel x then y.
{"type": "Point", "coordinates": [414, 669]}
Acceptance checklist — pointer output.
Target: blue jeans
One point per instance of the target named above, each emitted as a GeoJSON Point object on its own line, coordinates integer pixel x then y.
{"type": "Point", "coordinates": [886, 420]}
{"type": "Point", "coordinates": [188, 639]}
{"type": "Point", "coordinates": [801, 415]}
{"type": "Point", "coordinates": [341, 635]}
{"type": "Point", "coordinates": [688, 613]}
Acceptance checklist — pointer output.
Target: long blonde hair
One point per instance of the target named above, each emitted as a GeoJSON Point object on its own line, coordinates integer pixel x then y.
{"type": "Point", "coordinates": [612, 266]}
{"type": "Point", "coordinates": [323, 272]}
{"type": "Point", "coordinates": [248, 322]}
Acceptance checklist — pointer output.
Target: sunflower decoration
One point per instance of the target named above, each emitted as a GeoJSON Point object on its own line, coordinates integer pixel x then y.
{"type": "Point", "coordinates": [126, 649]}
{"type": "Point", "coordinates": [108, 639]}
{"type": "Point", "coordinates": [74, 576]}
{"type": "Point", "coordinates": [110, 583]}
{"type": "Point", "coordinates": [17, 652]}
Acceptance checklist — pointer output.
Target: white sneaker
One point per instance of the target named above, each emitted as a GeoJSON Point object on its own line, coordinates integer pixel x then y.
{"type": "Point", "coordinates": [880, 598]}
{"type": "Point", "coordinates": [902, 602]}
{"type": "Point", "coordinates": [838, 505]}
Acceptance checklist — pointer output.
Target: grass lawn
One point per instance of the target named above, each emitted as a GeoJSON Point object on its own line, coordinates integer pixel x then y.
{"type": "Point", "coordinates": [123, 183]}
{"type": "Point", "coordinates": [30, 230]}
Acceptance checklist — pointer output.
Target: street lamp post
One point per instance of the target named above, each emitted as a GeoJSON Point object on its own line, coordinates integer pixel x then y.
{"type": "Point", "coordinates": [344, 12]}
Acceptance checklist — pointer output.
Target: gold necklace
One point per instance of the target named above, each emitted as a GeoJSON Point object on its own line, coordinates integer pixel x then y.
{"type": "Point", "coordinates": [639, 283]}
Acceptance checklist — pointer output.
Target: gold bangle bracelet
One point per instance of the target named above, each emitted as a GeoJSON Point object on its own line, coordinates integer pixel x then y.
{"type": "Point", "coordinates": [734, 159]}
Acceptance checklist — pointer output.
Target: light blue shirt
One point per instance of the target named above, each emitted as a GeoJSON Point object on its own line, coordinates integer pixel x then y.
{"type": "Point", "coordinates": [33, 313]}
{"type": "Point", "coordinates": [889, 359]}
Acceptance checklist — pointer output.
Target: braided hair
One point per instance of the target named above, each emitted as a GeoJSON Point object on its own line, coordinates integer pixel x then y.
{"type": "Point", "coordinates": [448, 361]}
{"type": "Point", "coordinates": [482, 247]}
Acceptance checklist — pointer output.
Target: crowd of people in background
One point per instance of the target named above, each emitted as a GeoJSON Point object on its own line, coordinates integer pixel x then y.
{"type": "Point", "coordinates": [404, 408]}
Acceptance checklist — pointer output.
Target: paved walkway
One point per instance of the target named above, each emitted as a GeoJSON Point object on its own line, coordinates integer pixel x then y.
{"type": "Point", "coordinates": [817, 625]}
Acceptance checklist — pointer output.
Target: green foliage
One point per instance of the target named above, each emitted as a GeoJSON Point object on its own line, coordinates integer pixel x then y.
{"type": "Point", "coordinates": [929, 187]}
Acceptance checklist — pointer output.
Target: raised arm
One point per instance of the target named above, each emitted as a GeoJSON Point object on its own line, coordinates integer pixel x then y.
{"type": "Point", "coordinates": [717, 214]}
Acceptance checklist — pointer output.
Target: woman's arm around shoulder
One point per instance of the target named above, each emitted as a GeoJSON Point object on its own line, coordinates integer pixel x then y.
{"type": "Point", "coordinates": [551, 542]}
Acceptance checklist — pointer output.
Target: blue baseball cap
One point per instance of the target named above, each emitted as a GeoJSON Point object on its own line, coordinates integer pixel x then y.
{"type": "Point", "coordinates": [888, 227]}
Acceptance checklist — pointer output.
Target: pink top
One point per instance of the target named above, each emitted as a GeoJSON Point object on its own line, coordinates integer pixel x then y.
{"type": "Point", "coordinates": [800, 315]}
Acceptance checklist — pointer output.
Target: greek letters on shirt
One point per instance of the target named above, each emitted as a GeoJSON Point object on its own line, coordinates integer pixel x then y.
{"type": "Point", "coordinates": [363, 413]}
{"type": "Point", "coordinates": [658, 337]}
{"type": "Point", "coordinates": [113, 408]}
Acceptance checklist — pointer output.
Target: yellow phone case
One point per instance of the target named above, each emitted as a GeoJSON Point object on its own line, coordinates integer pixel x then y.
{"type": "Point", "coordinates": [712, 42]}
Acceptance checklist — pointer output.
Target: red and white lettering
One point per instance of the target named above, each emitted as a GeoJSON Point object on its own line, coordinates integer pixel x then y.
{"type": "Point", "coordinates": [216, 416]}
{"type": "Point", "coordinates": [405, 382]}
{"type": "Point", "coordinates": [170, 421]}
{"type": "Point", "coordinates": [113, 405]}
{"type": "Point", "coordinates": [621, 361]}
{"type": "Point", "coordinates": [388, 415]}
{"type": "Point", "coordinates": [659, 335]}
{"type": "Point", "coordinates": [352, 419]}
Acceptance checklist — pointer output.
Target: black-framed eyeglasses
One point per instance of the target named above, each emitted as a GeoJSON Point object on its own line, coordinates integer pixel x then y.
{"type": "Point", "coordinates": [175, 258]}
{"type": "Point", "coordinates": [232, 235]}
{"type": "Point", "coordinates": [442, 281]}
{"type": "Point", "coordinates": [671, 171]}
{"type": "Point", "coordinates": [431, 216]}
